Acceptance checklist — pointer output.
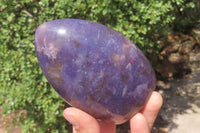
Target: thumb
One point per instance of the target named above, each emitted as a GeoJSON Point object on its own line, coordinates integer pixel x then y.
{"type": "Point", "coordinates": [81, 121]}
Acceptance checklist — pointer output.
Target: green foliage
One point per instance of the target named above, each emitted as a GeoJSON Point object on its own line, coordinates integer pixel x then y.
{"type": "Point", "coordinates": [187, 13]}
{"type": "Point", "coordinates": [22, 84]}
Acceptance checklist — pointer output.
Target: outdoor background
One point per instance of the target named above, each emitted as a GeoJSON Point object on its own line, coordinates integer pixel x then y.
{"type": "Point", "coordinates": [167, 31]}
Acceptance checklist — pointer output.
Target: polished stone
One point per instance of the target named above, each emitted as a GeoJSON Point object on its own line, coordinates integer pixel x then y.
{"type": "Point", "coordinates": [94, 68]}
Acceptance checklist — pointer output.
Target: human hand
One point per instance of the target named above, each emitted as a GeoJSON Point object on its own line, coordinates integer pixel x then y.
{"type": "Point", "coordinates": [142, 122]}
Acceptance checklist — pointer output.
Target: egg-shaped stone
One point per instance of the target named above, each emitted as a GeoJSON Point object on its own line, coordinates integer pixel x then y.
{"type": "Point", "coordinates": [94, 68]}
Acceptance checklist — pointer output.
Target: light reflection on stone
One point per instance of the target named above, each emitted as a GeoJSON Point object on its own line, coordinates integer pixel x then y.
{"type": "Point", "coordinates": [94, 68]}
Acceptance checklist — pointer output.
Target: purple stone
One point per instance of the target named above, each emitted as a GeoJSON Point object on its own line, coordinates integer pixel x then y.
{"type": "Point", "coordinates": [94, 68]}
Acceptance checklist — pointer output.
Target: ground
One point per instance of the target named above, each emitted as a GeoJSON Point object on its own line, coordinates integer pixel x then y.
{"type": "Point", "coordinates": [181, 92]}
{"type": "Point", "coordinates": [181, 109]}
{"type": "Point", "coordinates": [6, 123]}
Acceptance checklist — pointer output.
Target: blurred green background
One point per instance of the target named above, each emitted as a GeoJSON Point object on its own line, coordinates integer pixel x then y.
{"type": "Point", "coordinates": [22, 84]}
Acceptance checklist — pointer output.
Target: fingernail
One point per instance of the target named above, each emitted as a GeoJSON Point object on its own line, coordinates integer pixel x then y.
{"type": "Point", "coordinates": [71, 119]}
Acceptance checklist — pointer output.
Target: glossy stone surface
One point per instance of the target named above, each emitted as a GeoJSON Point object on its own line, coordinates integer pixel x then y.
{"type": "Point", "coordinates": [94, 68]}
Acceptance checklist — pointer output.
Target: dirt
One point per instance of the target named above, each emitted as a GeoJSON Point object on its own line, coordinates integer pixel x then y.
{"type": "Point", "coordinates": [8, 123]}
{"type": "Point", "coordinates": [180, 112]}
{"type": "Point", "coordinates": [181, 109]}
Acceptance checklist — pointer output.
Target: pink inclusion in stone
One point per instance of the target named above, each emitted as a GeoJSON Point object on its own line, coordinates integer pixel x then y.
{"type": "Point", "coordinates": [94, 68]}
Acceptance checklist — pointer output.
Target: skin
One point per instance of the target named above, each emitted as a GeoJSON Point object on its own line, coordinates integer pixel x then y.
{"type": "Point", "coordinates": [142, 122]}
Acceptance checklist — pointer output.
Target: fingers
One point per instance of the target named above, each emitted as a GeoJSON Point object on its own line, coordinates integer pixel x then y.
{"type": "Point", "coordinates": [138, 124]}
{"type": "Point", "coordinates": [81, 121]}
{"type": "Point", "coordinates": [143, 122]}
{"type": "Point", "coordinates": [151, 109]}
{"type": "Point", "coordinates": [107, 127]}
{"type": "Point", "coordinates": [84, 123]}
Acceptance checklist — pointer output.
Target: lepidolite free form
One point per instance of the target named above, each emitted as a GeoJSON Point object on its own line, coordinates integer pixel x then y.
{"type": "Point", "coordinates": [94, 68]}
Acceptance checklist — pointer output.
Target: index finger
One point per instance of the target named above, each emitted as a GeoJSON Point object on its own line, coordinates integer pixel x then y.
{"type": "Point", "coordinates": [152, 107]}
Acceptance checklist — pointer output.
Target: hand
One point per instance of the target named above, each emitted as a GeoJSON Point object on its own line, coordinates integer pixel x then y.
{"type": "Point", "coordinates": [142, 122]}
